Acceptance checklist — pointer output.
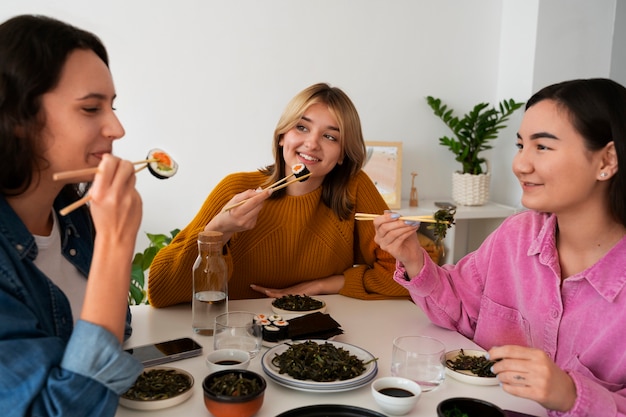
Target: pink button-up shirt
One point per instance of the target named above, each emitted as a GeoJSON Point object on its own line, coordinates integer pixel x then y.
{"type": "Point", "coordinates": [509, 292]}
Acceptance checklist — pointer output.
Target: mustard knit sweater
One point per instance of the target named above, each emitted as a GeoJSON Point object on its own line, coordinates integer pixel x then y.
{"type": "Point", "coordinates": [296, 238]}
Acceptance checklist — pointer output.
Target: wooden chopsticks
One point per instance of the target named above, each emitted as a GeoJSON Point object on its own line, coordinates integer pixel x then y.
{"type": "Point", "coordinates": [88, 171]}
{"type": "Point", "coordinates": [421, 219]}
{"type": "Point", "coordinates": [276, 186]}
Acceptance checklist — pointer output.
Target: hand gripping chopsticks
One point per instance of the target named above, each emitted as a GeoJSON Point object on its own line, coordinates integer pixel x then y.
{"type": "Point", "coordinates": [84, 172]}
{"type": "Point", "coordinates": [274, 187]}
{"type": "Point", "coordinates": [421, 219]}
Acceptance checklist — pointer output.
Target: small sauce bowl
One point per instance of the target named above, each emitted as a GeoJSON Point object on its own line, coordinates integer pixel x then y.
{"type": "Point", "coordinates": [394, 395]}
{"type": "Point", "coordinates": [225, 359]}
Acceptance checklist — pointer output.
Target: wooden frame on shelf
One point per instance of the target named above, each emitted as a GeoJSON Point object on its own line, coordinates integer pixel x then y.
{"type": "Point", "coordinates": [384, 166]}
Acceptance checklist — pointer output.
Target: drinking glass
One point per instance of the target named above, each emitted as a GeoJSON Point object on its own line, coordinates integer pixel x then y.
{"type": "Point", "coordinates": [419, 358]}
{"type": "Point", "coordinates": [237, 330]}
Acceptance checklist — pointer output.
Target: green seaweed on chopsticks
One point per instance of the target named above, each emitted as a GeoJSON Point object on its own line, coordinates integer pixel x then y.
{"type": "Point", "coordinates": [444, 220]}
{"type": "Point", "coordinates": [318, 362]}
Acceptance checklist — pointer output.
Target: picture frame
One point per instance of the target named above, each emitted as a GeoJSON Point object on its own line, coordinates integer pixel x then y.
{"type": "Point", "coordinates": [383, 165]}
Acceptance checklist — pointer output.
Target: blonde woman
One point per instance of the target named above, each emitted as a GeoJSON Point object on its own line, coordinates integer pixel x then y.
{"type": "Point", "coordinates": [302, 239]}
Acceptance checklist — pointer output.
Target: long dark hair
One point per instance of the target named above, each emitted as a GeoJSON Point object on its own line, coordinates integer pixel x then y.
{"type": "Point", "coordinates": [597, 110]}
{"type": "Point", "coordinates": [33, 50]}
{"type": "Point", "coordinates": [335, 193]}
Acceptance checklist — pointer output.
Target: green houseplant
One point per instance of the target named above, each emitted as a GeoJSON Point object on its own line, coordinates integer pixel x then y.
{"type": "Point", "coordinates": [474, 131]}
{"type": "Point", "coordinates": [141, 262]}
{"type": "Point", "coordinates": [472, 134]}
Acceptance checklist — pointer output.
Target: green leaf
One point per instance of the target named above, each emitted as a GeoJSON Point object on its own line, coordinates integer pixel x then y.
{"type": "Point", "coordinates": [474, 130]}
{"type": "Point", "coordinates": [142, 261]}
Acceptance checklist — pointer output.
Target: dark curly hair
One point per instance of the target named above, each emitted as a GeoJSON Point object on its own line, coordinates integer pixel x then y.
{"type": "Point", "coordinates": [33, 50]}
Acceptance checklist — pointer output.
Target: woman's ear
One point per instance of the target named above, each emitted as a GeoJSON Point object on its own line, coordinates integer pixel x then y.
{"type": "Point", "coordinates": [609, 164]}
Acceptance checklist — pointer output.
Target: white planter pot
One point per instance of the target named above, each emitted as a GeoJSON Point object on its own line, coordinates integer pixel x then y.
{"type": "Point", "coordinates": [469, 189]}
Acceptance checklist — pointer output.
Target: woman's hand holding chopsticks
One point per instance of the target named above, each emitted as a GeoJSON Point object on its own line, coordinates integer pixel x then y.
{"type": "Point", "coordinates": [116, 205]}
{"type": "Point", "coordinates": [242, 216]}
{"type": "Point", "coordinates": [399, 238]}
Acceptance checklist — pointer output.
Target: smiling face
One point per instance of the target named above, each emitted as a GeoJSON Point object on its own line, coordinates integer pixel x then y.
{"type": "Point", "coordinates": [315, 141]}
{"type": "Point", "coordinates": [80, 123]}
{"type": "Point", "coordinates": [555, 169]}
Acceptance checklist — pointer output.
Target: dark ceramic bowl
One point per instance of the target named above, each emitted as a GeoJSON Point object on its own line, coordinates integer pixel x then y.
{"type": "Point", "coordinates": [220, 405]}
{"type": "Point", "coordinates": [470, 406]}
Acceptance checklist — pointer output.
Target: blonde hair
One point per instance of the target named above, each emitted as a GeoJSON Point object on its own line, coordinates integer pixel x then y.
{"type": "Point", "coordinates": [335, 193]}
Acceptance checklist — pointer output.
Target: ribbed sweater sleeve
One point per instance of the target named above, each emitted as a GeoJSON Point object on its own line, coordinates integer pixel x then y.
{"type": "Point", "coordinates": [296, 239]}
{"type": "Point", "coordinates": [170, 274]}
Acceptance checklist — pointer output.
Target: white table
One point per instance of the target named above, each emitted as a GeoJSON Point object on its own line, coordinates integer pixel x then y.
{"type": "Point", "coordinates": [471, 226]}
{"type": "Point", "coordinates": [370, 325]}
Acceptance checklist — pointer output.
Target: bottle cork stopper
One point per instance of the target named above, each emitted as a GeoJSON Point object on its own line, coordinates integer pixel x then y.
{"type": "Point", "coordinates": [207, 236]}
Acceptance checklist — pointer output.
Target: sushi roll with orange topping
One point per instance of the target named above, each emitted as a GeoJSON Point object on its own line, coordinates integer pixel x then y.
{"type": "Point", "coordinates": [164, 167]}
{"type": "Point", "coordinates": [300, 170]}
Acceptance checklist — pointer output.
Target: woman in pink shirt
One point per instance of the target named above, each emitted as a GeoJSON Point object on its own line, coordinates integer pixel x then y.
{"type": "Point", "coordinates": [545, 293]}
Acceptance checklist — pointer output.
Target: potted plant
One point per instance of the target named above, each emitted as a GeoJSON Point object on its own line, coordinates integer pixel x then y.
{"type": "Point", "coordinates": [141, 262]}
{"type": "Point", "coordinates": [472, 135]}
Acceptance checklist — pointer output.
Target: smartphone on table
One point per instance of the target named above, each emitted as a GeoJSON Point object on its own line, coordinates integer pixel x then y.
{"type": "Point", "coordinates": [164, 352]}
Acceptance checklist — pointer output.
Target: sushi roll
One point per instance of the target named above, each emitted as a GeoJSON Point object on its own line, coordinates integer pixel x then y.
{"type": "Point", "coordinates": [164, 167]}
{"type": "Point", "coordinates": [271, 333]}
{"type": "Point", "coordinates": [283, 328]}
{"type": "Point", "coordinates": [275, 317]}
{"type": "Point", "coordinates": [299, 171]}
{"type": "Point", "coordinates": [260, 317]}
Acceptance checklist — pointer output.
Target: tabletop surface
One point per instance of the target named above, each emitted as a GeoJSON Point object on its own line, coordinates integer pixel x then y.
{"type": "Point", "coordinates": [371, 325]}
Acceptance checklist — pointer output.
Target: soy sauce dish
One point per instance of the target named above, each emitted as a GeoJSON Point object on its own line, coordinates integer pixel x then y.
{"type": "Point", "coordinates": [394, 395]}
{"type": "Point", "coordinates": [158, 387]}
{"type": "Point", "coordinates": [223, 359]}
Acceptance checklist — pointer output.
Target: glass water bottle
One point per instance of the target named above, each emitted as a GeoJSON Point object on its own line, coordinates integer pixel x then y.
{"type": "Point", "coordinates": [210, 283]}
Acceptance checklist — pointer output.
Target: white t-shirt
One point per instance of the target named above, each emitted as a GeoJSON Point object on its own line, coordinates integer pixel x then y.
{"type": "Point", "coordinates": [51, 262]}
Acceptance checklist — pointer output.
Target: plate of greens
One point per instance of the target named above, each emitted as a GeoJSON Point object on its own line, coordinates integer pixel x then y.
{"type": "Point", "coordinates": [470, 366]}
{"type": "Point", "coordinates": [158, 387]}
{"type": "Point", "coordinates": [297, 305]}
{"type": "Point", "coordinates": [319, 366]}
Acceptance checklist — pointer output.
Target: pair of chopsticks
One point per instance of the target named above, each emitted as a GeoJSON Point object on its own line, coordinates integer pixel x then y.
{"type": "Point", "coordinates": [421, 219]}
{"type": "Point", "coordinates": [276, 186]}
{"type": "Point", "coordinates": [88, 171]}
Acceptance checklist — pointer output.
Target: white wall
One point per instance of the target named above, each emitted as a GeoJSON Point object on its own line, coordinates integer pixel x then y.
{"type": "Point", "coordinates": [207, 80]}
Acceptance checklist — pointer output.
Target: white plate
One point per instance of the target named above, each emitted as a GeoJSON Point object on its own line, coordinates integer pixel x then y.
{"type": "Point", "coordinates": [159, 404]}
{"type": "Point", "coordinates": [290, 314]}
{"type": "Point", "coordinates": [468, 376]}
{"type": "Point", "coordinates": [368, 374]}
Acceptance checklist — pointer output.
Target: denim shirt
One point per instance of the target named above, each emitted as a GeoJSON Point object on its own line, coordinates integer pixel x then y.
{"type": "Point", "coordinates": [48, 366]}
{"type": "Point", "coordinates": [509, 291]}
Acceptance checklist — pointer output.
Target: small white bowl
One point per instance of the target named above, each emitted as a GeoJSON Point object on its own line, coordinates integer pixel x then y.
{"type": "Point", "coordinates": [468, 376]}
{"type": "Point", "coordinates": [223, 359]}
{"type": "Point", "coordinates": [396, 405]}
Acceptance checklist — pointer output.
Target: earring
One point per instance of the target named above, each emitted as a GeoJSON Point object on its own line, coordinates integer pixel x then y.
{"type": "Point", "coordinates": [603, 174]}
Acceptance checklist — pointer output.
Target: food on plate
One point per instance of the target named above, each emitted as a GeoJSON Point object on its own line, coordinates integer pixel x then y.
{"type": "Point", "coordinates": [297, 303]}
{"type": "Point", "coordinates": [318, 362]}
{"type": "Point", "coordinates": [158, 384]}
{"type": "Point", "coordinates": [274, 328]}
{"type": "Point", "coordinates": [164, 167]}
{"type": "Point", "coordinates": [478, 365]}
